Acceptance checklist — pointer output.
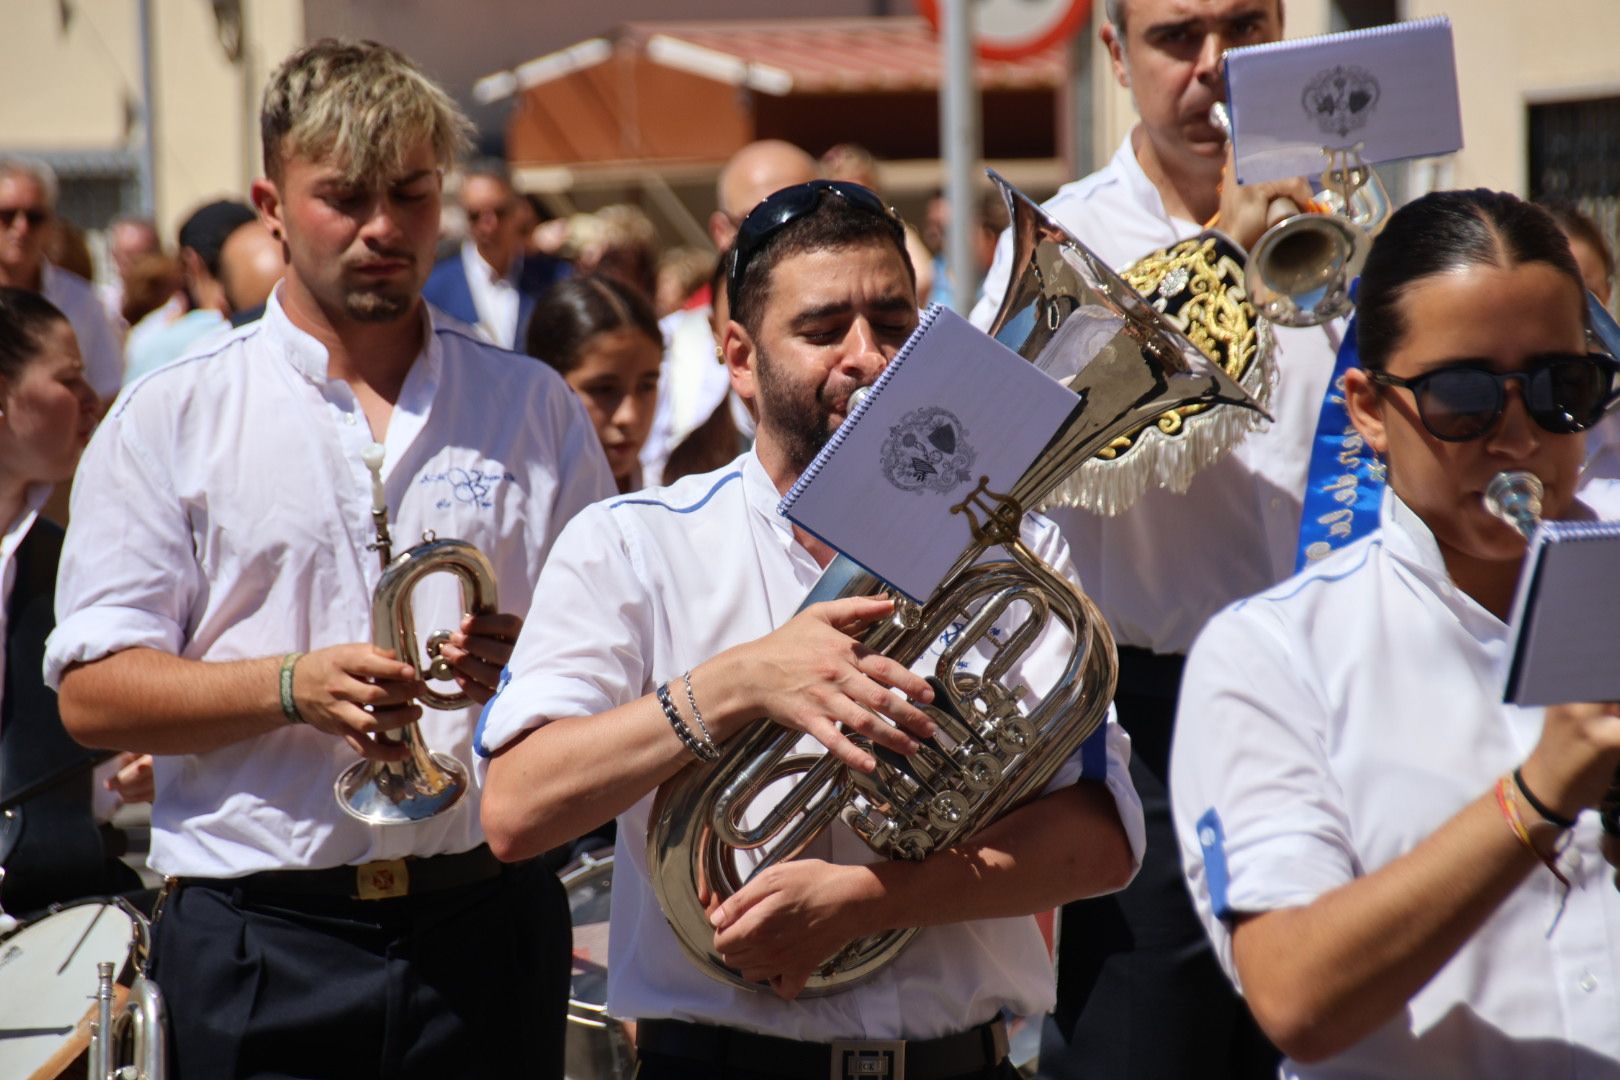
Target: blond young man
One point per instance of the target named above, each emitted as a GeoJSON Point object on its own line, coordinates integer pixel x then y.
{"type": "Point", "coordinates": [214, 608]}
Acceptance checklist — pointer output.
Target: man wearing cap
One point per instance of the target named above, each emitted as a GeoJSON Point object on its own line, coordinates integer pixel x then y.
{"type": "Point", "coordinates": [703, 578]}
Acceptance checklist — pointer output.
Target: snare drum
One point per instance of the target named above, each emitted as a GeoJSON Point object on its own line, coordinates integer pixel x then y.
{"type": "Point", "coordinates": [48, 982]}
{"type": "Point", "coordinates": [598, 1047]}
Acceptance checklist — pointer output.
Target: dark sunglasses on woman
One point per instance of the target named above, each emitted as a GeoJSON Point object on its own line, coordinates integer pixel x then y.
{"type": "Point", "coordinates": [1563, 393]}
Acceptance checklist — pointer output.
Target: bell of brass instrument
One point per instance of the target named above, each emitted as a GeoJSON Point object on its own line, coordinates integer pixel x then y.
{"type": "Point", "coordinates": [127, 1038]}
{"type": "Point", "coordinates": [1514, 495]}
{"type": "Point", "coordinates": [427, 782]}
{"type": "Point", "coordinates": [993, 750]}
{"type": "Point", "coordinates": [1300, 270]}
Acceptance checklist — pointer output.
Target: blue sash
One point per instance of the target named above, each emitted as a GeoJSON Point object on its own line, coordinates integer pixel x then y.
{"type": "Point", "coordinates": [1342, 492]}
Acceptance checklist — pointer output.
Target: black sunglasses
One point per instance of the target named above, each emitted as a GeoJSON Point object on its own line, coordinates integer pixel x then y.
{"type": "Point", "coordinates": [776, 212]}
{"type": "Point", "coordinates": [36, 218]}
{"type": "Point", "coordinates": [1562, 393]}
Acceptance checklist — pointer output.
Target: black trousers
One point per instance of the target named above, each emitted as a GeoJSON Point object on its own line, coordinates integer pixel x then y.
{"type": "Point", "coordinates": [1140, 994]}
{"type": "Point", "coordinates": [660, 1067]}
{"type": "Point", "coordinates": [467, 982]}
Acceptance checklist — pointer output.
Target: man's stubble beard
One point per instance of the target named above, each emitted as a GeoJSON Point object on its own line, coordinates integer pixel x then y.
{"type": "Point", "coordinates": [801, 433]}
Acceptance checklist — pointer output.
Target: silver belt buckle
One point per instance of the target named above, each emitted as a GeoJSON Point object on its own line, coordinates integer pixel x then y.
{"type": "Point", "coordinates": [877, 1059]}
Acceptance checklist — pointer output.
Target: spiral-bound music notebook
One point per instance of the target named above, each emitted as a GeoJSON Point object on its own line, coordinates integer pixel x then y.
{"type": "Point", "coordinates": [1565, 626]}
{"type": "Point", "coordinates": [1392, 89]}
{"type": "Point", "coordinates": [954, 405]}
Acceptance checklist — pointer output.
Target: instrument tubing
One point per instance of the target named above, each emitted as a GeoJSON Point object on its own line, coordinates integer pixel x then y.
{"type": "Point", "coordinates": [435, 873]}
{"type": "Point", "coordinates": [976, 1049]}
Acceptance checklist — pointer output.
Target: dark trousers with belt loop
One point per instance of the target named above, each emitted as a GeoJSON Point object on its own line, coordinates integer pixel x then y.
{"type": "Point", "coordinates": [678, 1050]}
{"type": "Point", "coordinates": [1140, 994]}
{"type": "Point", "coordinates": [266, 977]}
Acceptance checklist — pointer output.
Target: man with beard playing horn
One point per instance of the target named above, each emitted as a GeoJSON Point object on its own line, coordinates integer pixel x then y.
{"type": "Point", "coordinates": [703, 577]}
{"type": "Point", "coordinates": [215, 609]}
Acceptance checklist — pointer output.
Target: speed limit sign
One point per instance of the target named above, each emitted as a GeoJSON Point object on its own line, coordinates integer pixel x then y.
{"type": "Point", "coordinates": [1014, 29]}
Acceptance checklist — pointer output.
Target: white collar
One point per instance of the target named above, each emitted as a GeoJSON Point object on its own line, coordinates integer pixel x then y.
{"type": "Point", "coordinates": [309, 357]}
{"type": "Point", "coordinates": [477, 265]}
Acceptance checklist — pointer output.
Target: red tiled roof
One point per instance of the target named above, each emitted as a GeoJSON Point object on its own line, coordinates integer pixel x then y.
{"type": "Point", "coordinates": [833, 56]}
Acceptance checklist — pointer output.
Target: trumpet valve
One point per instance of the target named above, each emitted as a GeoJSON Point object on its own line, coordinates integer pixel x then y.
{"type": "Point", "coordinates": [438, 667]}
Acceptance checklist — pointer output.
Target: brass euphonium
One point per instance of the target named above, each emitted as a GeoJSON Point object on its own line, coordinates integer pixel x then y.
{"type": "Point", "coordinates": [1300, 270]}
{"type": "Point", "coordinates": [992, 752]}
{"type": "Point", "coordinates": [427, 782]}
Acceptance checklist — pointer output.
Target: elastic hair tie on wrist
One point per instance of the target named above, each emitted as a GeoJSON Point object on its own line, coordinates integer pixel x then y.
{"type": "Point", "coordinates": [1548, 814]}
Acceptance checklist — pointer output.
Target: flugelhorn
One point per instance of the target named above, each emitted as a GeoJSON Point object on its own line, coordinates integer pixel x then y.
{"type": "Point", "coordinates": [999, 742]}
{"type": "Point", "coordinates": [127, 1037]}
{"type": "Point", "coordinates": [427, 782]}
{"type": "Point", "coordinates": [1300, 270]}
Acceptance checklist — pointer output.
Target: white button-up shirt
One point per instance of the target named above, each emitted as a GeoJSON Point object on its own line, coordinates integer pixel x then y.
{"type": "Point", "coordinates": [641, 588]}
{"type": "Point", "coordinates": [222, 512]}
{"type": "Point", "coordinates": [1331, 724]}
{"type": "Point", "coordinates": [495, 297]}
{"type": "Point", "coordinates": [1161, 569]}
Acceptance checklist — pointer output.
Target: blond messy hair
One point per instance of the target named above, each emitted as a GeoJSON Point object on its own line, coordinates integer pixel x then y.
{"type": "Point", "coordinates": [360, 105]}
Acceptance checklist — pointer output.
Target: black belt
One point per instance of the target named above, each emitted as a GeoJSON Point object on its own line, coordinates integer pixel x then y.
{"type": "Point", "coordinates": [382, 879]}
{"type": "Point", "coordinates": [971, 1051]}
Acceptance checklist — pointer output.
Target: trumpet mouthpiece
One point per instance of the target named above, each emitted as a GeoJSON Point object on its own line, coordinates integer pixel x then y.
{"type": "Point", "coordinates": [1514, 496]}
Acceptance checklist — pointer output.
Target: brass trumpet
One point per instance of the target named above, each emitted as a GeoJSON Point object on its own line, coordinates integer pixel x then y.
{"type": "Point", "coordinates": [1300, 270]}
{"type": "Point", "coordinates": [427, 782]}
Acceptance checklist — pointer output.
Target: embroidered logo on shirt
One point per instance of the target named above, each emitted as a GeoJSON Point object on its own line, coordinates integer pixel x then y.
{"type": "Point", "coordinates": [469, 487]}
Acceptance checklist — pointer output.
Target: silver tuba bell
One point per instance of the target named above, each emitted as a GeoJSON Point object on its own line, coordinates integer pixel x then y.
{"type": "Point", "coordinates": [427, 782]}
{"type": "Point", "coordinates": [993, 751]}
{"type": "Point", "coordinates": [1300, 270]}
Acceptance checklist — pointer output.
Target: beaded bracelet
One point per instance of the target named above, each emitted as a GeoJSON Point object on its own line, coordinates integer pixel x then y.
{"type": "Point", "coordinates": [1548, 814]}
{"type": "Point", "coordinates": [289, 707]}
{"type": "Point", "coordinates": [673, 715]}
{"type": "Point", "coordinates": [1510, 811]}
{"type": "Point", "coordinates": [697, 714]}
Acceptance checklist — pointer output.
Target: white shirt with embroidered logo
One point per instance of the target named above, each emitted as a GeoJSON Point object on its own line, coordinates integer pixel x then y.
{"type": "Point", "coordinates": [1331, 724]}
{"type": "Point", "coordinates": [222, 512]}
{"type": "Point", "coordinates": [1162, 568]}
{"type": "Point", "coordinates": [644, 587]}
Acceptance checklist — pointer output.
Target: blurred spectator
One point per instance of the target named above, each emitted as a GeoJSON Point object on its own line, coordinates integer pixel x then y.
{"type": "Point", "coordinates": [856, 164]}
{"type": "Point", "coordinates": [603, 339]}
{"type": "Point", "coordinates": [69, 250]}
{"type": "Point", "coordinates": [695, 383]}
{"type": "Point", "coordinates": [152, 281]}
{"type": "Point", "coordinates": [622, 243]}
{"type": "Point", "coordinates": [492, 283]}
{"type": "Point", "coordinates": [250, 265]}
{"type": "Point", "coordinates": [717, 440]}
{"type": "Point", "coordinates": [166, 335]}
{"type": "Point", "coordinates": [992, 219]}
{"type": "Point", "coordinates": [128, 238]}
{"type": "Point", "coordinates": [1592, 253]}
{"type": "Point", "coordinates": [683, 277]}
{"type": "Point", "coordinates": [27, 219]}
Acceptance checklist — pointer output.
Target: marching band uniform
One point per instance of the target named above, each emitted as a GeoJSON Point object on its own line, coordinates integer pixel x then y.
{"type": "Point", "coordinates": [1331, 724]}
{"type": "Point", "coordinates": [222, 512]}
{"type": "Point", "coordinates": [643, 587]}
{"type": "Point", "coordinates": [1158, 572]}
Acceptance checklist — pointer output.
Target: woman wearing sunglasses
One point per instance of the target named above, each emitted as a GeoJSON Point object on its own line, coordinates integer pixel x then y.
{"type": "Point", "coordinates": [1387, 858]}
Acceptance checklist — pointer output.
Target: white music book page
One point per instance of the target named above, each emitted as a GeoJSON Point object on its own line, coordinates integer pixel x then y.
{"type": "Point", "coordinates": [954, 405]}
{"type": "Point", "coordinates": [1564, 630]}
{"type": "Point", "coordinates": [1392, 89]}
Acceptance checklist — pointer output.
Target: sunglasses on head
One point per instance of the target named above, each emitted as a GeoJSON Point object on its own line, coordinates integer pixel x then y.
{"type": "Point", "coordinates": [783, 208]}
{"type": "Point", "coordinates": [1562, 393]}
{"type": "Point", "coordinates": [35, 217]}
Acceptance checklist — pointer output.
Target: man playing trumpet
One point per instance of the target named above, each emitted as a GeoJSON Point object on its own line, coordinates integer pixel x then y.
{"type": "Point", "coordinates": [215, 607]}
{"type": "Point", "coordinates": [703, 577]}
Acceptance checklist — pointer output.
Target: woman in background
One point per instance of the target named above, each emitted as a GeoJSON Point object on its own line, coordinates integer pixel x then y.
{"type": "Point", "coordinates": [51, 849]}
{"type": "Point", "coordinates": [1386, 857]}
{"type": "Point", "coordinates": [602, 337]}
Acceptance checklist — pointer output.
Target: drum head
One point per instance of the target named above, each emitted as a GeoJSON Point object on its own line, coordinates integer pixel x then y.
{"type": "Point", "coordinates": [48, 977]}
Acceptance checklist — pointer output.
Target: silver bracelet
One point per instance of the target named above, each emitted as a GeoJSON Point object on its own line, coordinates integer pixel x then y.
{"type": "Point", "coordinates": [697, 714]}
{"type": "Point", "coordinates": [684, 733]}
{"type": "Point", "coordinates": [289, 706]}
